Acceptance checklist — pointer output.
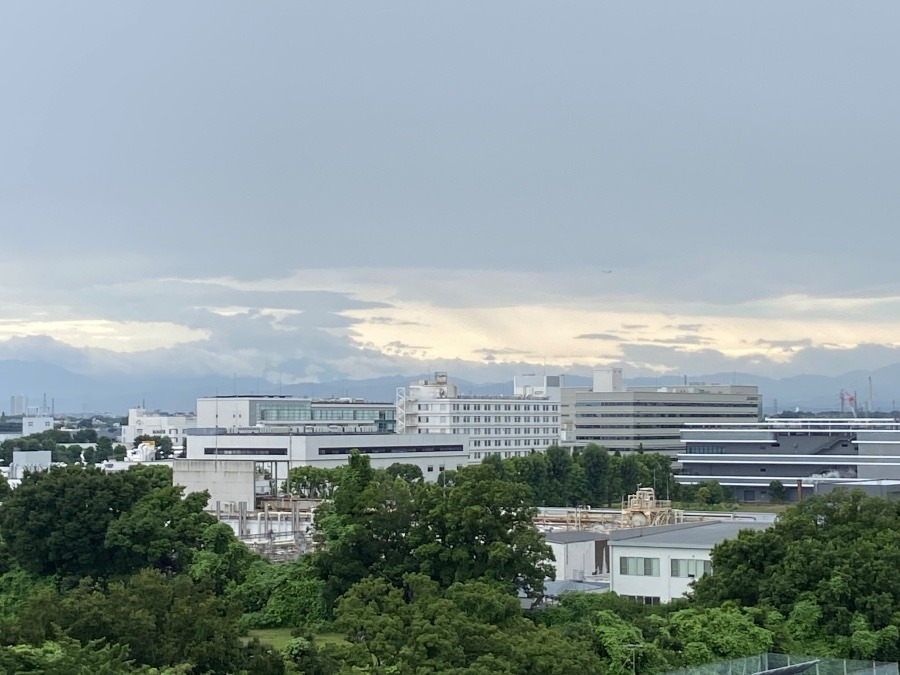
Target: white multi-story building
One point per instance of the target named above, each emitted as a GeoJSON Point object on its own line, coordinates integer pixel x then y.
{"type": "Point", "coordinates": [649, 418]}
{"type": "Point", "coordinates": [508, 426]}
{"type": "Point", "coordinates": [658, 564]}
{"type": "Point", "coordinates": [212, 456]}
{"type": "Point", "coordinates": [343, 415]}
{"type": "Point", "coordinates": [142, 422]}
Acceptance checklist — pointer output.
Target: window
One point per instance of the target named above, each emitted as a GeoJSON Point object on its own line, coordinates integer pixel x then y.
{"type": "Point", "coordinates": [640, 567]}
{"type": "Point", "coordinates": [643, 599]}
{"type": "Point", "coordinates": [690, 569]}
{"type": "Point", "coordinates": [430, 468]}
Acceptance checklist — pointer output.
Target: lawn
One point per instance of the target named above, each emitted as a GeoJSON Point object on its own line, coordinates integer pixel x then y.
{"type": "Point", "coordinates": [278, 638]}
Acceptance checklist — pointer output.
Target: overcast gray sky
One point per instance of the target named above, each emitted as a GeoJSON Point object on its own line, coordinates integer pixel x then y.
{"type": "Point", "coordinates": [313, 190]}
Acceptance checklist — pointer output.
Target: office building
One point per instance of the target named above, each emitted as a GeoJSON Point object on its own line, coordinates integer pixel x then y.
{"type": "Point", "coordinates": [143, 422]}
{"type": "Point", "coordinates": [344, 415]}
{"type": "Point", "coordinates": [508, 426]}
{"type": "Point", "coordinates": [625, 419]}
{"type": "Point", "coordinates": [804, 455]}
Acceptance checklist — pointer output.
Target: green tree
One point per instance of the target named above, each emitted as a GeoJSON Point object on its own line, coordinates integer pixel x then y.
{"type": "Point", "coordinates": [85, 436]}
{"type": "Point", "coordinates": [55, 522]}
{"type": "Point", "coordinates": [595, 460]}
{"type": "Point", "coordinates": [161, 530]}
{"type": "Point", "coordinates": [410, 473]}
{"type": "Point", "coordinates": [364, 530]}
{"type": "Point", "coordinates": [777, 491]}
{"type": "Point", "coordinates": [65, 655]}
{"type": "Point", "coordinates": [104, 449]}
{"type": "Point", "coordinates": [559, 466]}
{"type": "Point", "coordinates": [482, 527]}
{"type": "Point", "coordinates": [471, 627]}
{"type": "Point", "coordinates": [835, 556]}
{"type": "Point", "coordinates": [632, 474]}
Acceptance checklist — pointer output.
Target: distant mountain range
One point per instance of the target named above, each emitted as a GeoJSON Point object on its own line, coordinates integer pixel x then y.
{"type": "Point", "coordinates": [75, 393]}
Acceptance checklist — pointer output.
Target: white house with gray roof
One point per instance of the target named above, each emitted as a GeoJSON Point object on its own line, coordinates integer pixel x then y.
{"type": "Point", "coordinates": [657, 564]}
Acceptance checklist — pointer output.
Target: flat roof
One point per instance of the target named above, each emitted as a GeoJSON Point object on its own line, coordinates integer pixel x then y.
{"type": "Point", "coordinates": [704, 534]}
{"type": "Point", "coordinates": [572, 536]}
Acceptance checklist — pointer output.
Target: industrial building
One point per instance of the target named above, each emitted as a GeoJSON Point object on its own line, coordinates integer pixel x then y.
{"type": "Point", "coordinates": [658, 564]}
{"type": "Point", "coordinates": [806, 456]}
{"type": "Point", "coordinates": [221, 462]}
{"type": "Point", "coordinates": [508, 426]}
{"type": "Point", "coordinates": [625, 419]}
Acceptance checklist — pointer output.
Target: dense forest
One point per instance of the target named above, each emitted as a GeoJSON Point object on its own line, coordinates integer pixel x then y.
{"type": "Point", "coordinates": [122, 573]}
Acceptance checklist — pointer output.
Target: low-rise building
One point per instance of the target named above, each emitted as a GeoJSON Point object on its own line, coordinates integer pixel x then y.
{"type": "Point", "coordinates": [275, 453]}
{"type": "Point", "coordinates": [657, 564]}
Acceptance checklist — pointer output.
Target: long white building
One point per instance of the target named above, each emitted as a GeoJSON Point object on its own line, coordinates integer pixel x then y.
{"type": "Point", "coordinates": [216, 458]}
{"type": "Point", "coordinates": [343, 415]}
{"type": "Point", "coordinates": [508, 426]}
{"type": "Point", "coordinates": [649, 418]}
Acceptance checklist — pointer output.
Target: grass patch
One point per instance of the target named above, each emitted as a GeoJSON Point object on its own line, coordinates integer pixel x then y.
{"type": "Point", "coordinates": [277, 638]}
{"type": "Point", "coordinates": [333, 639]}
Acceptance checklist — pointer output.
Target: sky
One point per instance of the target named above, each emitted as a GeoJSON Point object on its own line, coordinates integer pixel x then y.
{"type": "Point", "coordinates": [312, 191]}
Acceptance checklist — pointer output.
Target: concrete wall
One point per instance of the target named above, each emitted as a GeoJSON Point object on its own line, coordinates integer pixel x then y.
{"type": "Point", "coordinates": [573, 560]}
{"type": "Point", "coordinates": [225, 480]}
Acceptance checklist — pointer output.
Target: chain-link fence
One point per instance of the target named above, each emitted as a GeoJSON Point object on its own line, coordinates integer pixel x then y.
{"type": "Point", "coordinates": [821, 666]}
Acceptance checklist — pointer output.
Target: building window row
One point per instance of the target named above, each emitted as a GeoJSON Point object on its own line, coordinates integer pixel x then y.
{"type": "Point", "coordinates": [662, 404]}
{"type": "Point", "coordinates": [690, 569]}
{"type": "Point", "coordinates": [643, 599]}
{"type": "Point", "coordinates": [705, 449]}
{"type": "Point", "coordinates": [245, 451]}
{"type": "Point", "coordinates": [640, 567]}
{"type": "Point", "coordinates": [391, 449]}
{"type": "Point", "coordinates": [506, 407]}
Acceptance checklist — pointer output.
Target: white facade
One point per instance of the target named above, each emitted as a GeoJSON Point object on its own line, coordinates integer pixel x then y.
{"type": "Point", "coordinates": [233, 413]}
{"type": "Point", "coordinates": [28, 461]}
{"type": "Point", "coordinates": [508, 426]}
{"type": "Point", "coordinates": [154, 423]}
{"type": "Point", "coordinates": [227, 482]}
{"type": "Point", "coordinates": [578, 554]}
{"type": "Point", "coordinates": [658, 564]}
{"type": "Point", "coordinates": [35, 424]}
{"type": "Point", "coordinates": [649, 418]}
{"type": "Point", "coordinates": [288, 450]}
